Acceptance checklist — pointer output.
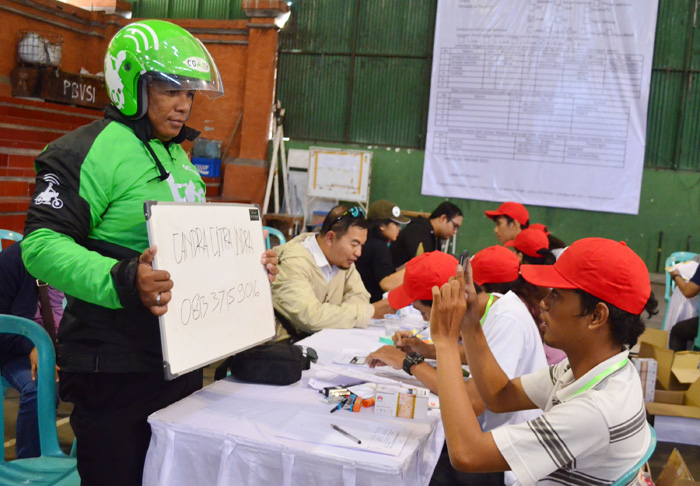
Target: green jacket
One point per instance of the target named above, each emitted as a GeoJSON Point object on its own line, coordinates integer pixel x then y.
{"type": "Point", "coordinates": [86, 229]}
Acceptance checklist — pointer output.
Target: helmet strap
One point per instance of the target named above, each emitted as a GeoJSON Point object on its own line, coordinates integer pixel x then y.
{"type": "Point", "coordinates": [141, 99]}
{"type": "Point", "coordinates": [164, 174]}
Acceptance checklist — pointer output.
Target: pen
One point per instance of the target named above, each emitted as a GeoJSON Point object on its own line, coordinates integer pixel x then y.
{"type": "Point", "coordinates": [346, 434]}
{"type": "Point", "coordinates": [340, 405]}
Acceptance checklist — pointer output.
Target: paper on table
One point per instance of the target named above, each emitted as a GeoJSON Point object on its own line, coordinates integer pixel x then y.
{"type": "Point", "coordinates": [351, 357]}
{"type": "Point", "coordinates": [379, 437]}
{"type": "Point", "coordinates": [358, 373]}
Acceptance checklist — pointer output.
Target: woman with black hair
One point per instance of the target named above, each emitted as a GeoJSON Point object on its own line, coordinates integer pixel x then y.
{"type": "Point", "coordinates": [376, 269]}
{"type": "Point", "coordinates": [532, 247]}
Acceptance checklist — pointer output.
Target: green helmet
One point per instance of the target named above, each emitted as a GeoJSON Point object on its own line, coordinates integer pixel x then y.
{"type": "Point", "coordinates": [155, 50]}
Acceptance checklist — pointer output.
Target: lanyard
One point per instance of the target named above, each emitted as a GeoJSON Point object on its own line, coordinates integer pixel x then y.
{"type": "Point", "coordinates": [602, 375]}
{"type": "Point", "coordinates": [486, 310]}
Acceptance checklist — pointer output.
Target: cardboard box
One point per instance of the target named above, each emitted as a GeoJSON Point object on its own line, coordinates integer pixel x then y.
{"type": "Point", "coordinates": [675, 370]}
{"type": "Point", "coordinates": [647, 369]}
{"type": "Point", "coordinates": [675, 472]}
{"type": "Point", "coordinates": [677, 403]}
{"type": "Point", "coordinates": [401, 401]}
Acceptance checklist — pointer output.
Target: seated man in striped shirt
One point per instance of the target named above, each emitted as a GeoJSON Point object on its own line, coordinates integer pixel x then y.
{"type": "Point", "coordinates": [593, 428]}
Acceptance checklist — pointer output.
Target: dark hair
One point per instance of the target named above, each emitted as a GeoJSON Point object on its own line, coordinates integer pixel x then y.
{"type": "Point", "coordinates": [531, 295]}
{"type": "Point", "coordinates": [546, 258]}
{"type": "Point", "coordinates": [500, 288]}
{"type": "Point", "coordinates": [448, 209]}
{"type": "Point", "coordinates": [427, 303]}
{"type": "Point", "coordinates": [375, 231]}
{"type": "Point", "coordinates": [555, 243]}
{"type": "Point", "coordinates": [510, 220]}
{"type": "Point", "coordinates": [341, 218]}
{"type": "Point", "coordinates": [625, 327]}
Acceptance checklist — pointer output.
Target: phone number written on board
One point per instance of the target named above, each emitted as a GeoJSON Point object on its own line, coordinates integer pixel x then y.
{"type": "Point", "coordinates": [200, 306]}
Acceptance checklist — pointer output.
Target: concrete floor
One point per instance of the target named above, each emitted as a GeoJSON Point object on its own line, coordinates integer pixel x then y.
{"type": "Point", "coordinates": [691, 454]}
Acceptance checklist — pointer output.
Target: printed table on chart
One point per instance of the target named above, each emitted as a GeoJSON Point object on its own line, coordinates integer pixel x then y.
{"type": "Point", "coordinates": [542, 106]}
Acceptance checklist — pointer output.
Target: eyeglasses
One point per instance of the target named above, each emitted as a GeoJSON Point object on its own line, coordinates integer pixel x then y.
{"type": "Point", "coordinates": [457, 226]}
{"type": "Point", "coordinates": [354, 212]}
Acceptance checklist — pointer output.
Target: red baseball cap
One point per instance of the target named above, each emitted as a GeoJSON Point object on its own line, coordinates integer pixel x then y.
{"type": "Point", "coordinates": [540, 227]}
{"type": "Point", "coordinates": [495, 264]}
{"type": "Point", "coordinates": [530, 241]}
{"type": "Point", "coordinates": [607, 269]}
{"type": "Point", "coordinates": [422, 273]}
{"type": "Point", "coordinates": [512, 209]}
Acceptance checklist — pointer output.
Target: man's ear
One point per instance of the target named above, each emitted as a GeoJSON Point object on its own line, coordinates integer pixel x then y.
{"type": "Point", "coordinates": [516, 223]}
{"type": "Point", "coordinates": [599, 317]}
{"type": "Point", "coordinates": [331, 237]}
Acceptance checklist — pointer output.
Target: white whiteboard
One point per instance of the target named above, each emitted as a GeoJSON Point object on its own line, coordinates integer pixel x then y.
{"type": "Point", "coordinates": [339, 174]}
{"type": "Point", "coordinates": [221, 300]}
{"type": "Point", "coordinates": [540, 102]}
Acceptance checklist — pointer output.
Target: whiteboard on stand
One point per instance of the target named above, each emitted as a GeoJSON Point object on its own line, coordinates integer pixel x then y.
{"type": "Point", "coordinates": [339, 174]}
{"type": "Point", "coordinates": [221, 299]}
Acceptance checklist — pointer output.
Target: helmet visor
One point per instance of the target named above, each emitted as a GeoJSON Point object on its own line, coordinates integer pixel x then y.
{"type": "Point", "coordinates": [169, 82]}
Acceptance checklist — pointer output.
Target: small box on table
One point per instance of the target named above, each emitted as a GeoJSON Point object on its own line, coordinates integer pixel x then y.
{"type": "Point", "coordinates": [402, 401]}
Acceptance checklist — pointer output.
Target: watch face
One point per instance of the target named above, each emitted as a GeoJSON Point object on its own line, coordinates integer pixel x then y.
{"type": "Point", "coordinates": [411, 359]}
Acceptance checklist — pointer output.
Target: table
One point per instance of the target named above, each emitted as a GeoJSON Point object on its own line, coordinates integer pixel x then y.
{"type": "Point", "coordinates": [225, 434]}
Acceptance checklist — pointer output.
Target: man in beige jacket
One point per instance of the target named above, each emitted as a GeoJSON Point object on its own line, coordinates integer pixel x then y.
{"type": "Point", "coordinates": [318, 286]}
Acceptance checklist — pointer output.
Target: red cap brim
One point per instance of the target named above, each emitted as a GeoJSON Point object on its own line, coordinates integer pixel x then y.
{"type": "Point", "coordinates": [545, 276]}
{"type": "Point", "coordinates": [509, 244]}
{"type": "Point", "coordinates": [493, 214]}
{"type": "Point", "coordinates": [398, 298]}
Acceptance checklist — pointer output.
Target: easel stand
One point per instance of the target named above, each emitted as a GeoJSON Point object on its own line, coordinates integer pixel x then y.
{"type": "Point", "coordinates": [278, 154]}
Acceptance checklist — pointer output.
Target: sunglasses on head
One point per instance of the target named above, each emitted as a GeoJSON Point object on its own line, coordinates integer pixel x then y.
{"type": "Point", "coordinates": [354, 212]}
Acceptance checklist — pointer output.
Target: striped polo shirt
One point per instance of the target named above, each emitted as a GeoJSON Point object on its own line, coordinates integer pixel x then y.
{"type": "Point", "coordinates": [592, 431]}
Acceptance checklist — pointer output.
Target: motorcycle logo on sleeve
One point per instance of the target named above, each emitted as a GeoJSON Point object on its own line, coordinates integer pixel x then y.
{"type": "Point", "coordinates": [50, 195]}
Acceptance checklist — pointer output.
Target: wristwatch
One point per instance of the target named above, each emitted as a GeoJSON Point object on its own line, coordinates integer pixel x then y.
{"type": "Point", "coordinates": [411, 359]}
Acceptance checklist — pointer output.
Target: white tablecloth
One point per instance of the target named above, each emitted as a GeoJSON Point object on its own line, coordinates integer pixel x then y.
{"type": "Point", "coordinates": [225, 435]}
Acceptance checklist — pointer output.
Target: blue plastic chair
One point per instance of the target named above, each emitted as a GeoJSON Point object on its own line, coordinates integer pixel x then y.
{"type": "Point", "coordinates": [676, 257]}
{"type": "Point", "coordinates": [276, 233]}
{"type": "Point", "coordinates": [9, 235]}
{"type": "Point", "coordinates": [632, 473]}
{"type": "Point", "coordinates": [53, 467]}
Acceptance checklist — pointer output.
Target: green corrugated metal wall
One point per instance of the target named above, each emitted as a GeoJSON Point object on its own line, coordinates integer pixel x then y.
{"type": "Point", "coordinates": [382, 52]}
{"type": "Point", "coordinates": [672, 131]}
{"type": "Point", "coordinates": [187, 9]}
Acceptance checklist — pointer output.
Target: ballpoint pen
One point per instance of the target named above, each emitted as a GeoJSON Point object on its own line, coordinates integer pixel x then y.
{"type": "Point", "coordinates": [346, 434]}
{"type": "Point", "coordinates": [340, 405]}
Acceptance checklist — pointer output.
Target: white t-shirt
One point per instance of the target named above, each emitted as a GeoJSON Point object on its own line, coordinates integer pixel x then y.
{"type": "Point", "coordinates": [515, 342]}
{"type": "Point", "coordinates": [591, 436]}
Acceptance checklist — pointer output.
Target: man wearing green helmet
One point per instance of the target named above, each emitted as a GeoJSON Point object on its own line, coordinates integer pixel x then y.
{"type": "Point", "coordinates": [86, 235]}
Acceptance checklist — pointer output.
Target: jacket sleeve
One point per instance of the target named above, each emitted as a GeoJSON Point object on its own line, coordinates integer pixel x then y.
{"type": "Point", "coordinates": [293, 297]}
{"type": "Point", "coordinates": [57, 229]}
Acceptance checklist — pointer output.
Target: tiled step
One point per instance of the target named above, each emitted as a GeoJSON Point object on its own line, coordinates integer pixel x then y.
{"type": "Point", "coordinates": [46, 105]}
{"type": "Point", "coordinates": [13, 213]}
{"type": "Point", "coordinates": [64, 126]}
{"type": "Point", "coordinates": [36, 147]}
{"type": "Point", "coordinates": [14, 205]}
{"type": "Point", "coordinates": [14, 132]}
{"type": "Point", "coordinates": [16, 186]}
{"type": "Point", "coordinates": [13, 222]}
